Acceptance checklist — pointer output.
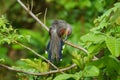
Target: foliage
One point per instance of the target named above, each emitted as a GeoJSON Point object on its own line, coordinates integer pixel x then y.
{"type": "Point", "coordinates": [37, 64]}
{"type": "Point", "coordinates": [89, 71]}
{"type": "Point", "coordinates": [102, 41]}
{"type": "Point", "coordinates": [7, 33]}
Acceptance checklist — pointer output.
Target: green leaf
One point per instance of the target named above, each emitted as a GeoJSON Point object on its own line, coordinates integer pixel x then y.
{"type": "Point", "coordinates": [2, 60]}
{"type": "Point", "coordinates": [84, 3]}
{"type": "Point", "coordinates": [90, 71]}
{"type": "Point", "coordinates": [37, 64]}
{"type": "Point", "coordinates": [98, 5]}
{"type": "Point", "coordinates": [95, 48]}
{"type": "Point", "coordinates": [117, 4]}
{"type": "Point", "coordinates": [118, 20]}
{"type": "Point", "coordinates": [31, 64]}
{"type": "Point", "coordinates": [75, 76]}
{"type": "Point", "coordinates": [76, 62]}
{"type": "Point", "coordinates": [110, 63]}
{"type": "Point", "coordinates": [113, 45]}
{"type": "Point", "coordinates": [91, 37]}
{"type": "Point", "coordinates": [70, 5]}
{"type": "Point", "coordinates": [16, 46]}
{"type": "Point", "coordinates": [63, 77]}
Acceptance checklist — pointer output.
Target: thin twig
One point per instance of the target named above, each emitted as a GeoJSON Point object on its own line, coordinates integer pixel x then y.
{"type": "Point", "coordinates": [45, 16]}
{"type": "Point", "coordinates": [38, 55]}
{"type": "Point", "coordinates": [75, 46]}
{"type": "Point", "coordinates": [31, 5]}
{"type": "Point", "coordinates": [37, 74]}
{"type": "Point", "coordinates": [44, 26]}
{"type": "Point", "coordinates": [40, 22]}
{"type": "Point", "coordinates": [27, 4]}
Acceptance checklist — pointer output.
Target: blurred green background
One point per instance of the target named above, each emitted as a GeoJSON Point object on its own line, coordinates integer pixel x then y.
{"type": "Point", "coordinates": [78, 13]}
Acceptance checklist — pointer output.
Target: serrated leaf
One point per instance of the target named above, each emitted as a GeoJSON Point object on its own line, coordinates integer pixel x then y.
{"type": "Point", "coordinates": [113, 45]}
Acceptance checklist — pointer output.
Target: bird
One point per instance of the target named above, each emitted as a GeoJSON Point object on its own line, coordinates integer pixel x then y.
{"type": "Point", "coordinates": [59, 31]}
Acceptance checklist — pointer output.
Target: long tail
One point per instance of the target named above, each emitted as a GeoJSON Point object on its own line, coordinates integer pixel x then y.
{"type": "Point", "coordinates": [54, 48]}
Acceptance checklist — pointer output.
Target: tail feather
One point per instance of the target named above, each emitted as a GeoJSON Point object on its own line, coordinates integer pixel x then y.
{"type": "Point", "coordinates": [54, 48]}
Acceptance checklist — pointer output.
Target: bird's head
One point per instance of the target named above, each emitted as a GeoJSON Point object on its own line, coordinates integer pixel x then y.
{"type": "Point", "coordinates": [63, 29]}
{"type": "Point", "coordinates": [66, 31]}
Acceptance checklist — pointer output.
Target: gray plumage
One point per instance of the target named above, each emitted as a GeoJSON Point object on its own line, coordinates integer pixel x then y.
{"type": "Point", "coordinates": [57, 30]}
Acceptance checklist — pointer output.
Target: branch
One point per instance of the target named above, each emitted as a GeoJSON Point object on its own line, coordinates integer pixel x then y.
{"type": "Point", "coordinates": [44, 26]}
{"type": "Point", "coordinates": [38, 55]}
{"type": "Point", "coordinates": [37, 74]}
{"type": "Point", "coordinates": [75, 46]}
{"type": "Point", "coordinates": [40, 22]}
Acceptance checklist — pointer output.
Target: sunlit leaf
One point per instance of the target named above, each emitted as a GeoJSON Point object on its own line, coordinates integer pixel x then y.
{"type": "Point", "coordinates": [2, 60]}
{"type": "Point", "coordinates": [91, 37]}
{"type": "Point", "coordinates": [63, 77]}
{"type": "Point", "coordinates": [113, 45]}
{"type": "Point", "coordinates": [94, 48]}
{"type": "Point", "coordinates": [67, 76]}
{"type": "Point", "coordinates": [37, 64]}
{"type": "Point", "coordinates": [91, 71]}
